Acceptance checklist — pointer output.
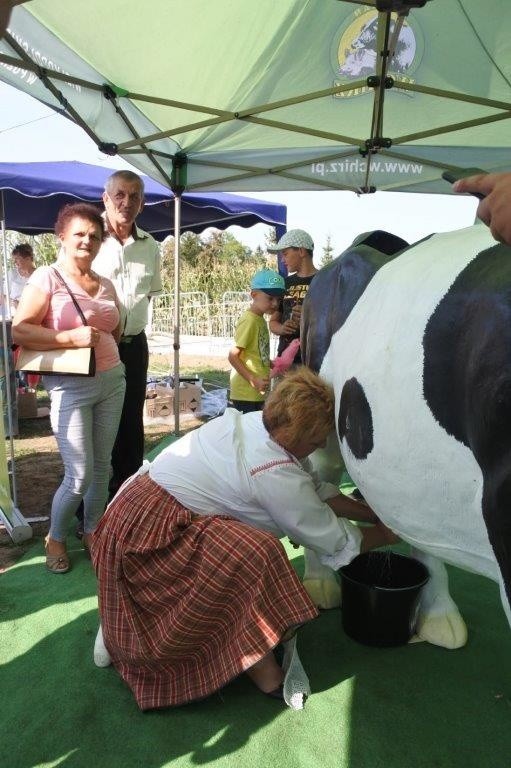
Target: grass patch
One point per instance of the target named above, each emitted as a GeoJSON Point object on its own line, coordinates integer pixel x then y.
{"type": "Point", "coordinates": [154, 437]}
{"type": "Point", "coordinates": [211, 377]}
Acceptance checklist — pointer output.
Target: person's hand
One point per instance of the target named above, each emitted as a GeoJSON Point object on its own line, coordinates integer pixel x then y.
{"type": "Point", "coordinates": [377, 535]}
{"type": "Point", "coordinates": [289, 327]}
{"type": "Point", "coordinates": [85, 336]}
{"type": "Point", "coordinates": [296, 313]}
{"type": "Point", "coordinates": [388, 536]}
{"type": "Point", "coordinates": [260, 383]}
{"type": "Point", "coordinates": [495, 209]}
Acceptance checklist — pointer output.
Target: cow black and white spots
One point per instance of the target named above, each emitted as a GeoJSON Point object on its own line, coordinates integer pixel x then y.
{"type": "Point", "coordinates": [421, 368]}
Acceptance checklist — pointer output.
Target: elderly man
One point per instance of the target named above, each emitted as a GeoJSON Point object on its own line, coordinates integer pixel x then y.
{"type": "Point", "coordinates": [130, 257]}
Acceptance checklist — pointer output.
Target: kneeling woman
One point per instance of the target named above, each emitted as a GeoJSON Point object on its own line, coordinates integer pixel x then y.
{"type": "Point", "coordinates": [194, 585]}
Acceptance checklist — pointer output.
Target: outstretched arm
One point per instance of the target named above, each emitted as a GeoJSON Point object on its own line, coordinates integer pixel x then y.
{"type": "Point", "coordinates": [342, 506]}
{"type": "Point", "coordinates": [259, 383]}
{"type": "Point", "coordinates": [495, 208]}
{"type": "Point", "coordinates": [377, 535]}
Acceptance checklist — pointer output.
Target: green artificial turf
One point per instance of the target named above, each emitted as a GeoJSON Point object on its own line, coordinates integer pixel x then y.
{"type": "Point", "coordinates": [415, 706]}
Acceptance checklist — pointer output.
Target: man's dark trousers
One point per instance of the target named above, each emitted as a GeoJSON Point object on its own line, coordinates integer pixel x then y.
{"type": "Point", "coordinates": [128, 450]}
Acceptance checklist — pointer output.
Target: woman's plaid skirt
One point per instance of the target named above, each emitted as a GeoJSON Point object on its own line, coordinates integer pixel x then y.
{"type": "Point", "coordinates": [188, 602]}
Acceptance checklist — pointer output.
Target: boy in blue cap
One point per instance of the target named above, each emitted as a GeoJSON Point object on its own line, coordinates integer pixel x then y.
{"type": "Point", "coordinates": [250, 355]}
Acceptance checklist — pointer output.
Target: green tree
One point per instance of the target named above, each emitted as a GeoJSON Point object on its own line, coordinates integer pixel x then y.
{"type": "Point", "coordinates": [213, 264]}
{"type": "Point", "coordinates": [233, 251]}
{"type": "Point", "coordinates": [270, 239]}
{"type": "Point", "coordinates": [328, 252]}
{"type": "Point", "coordinates": [191, 247]}
{"type": "Point", "coordinates": [46, 248]}
{"type": "Point", "coordinates": [190, 256]}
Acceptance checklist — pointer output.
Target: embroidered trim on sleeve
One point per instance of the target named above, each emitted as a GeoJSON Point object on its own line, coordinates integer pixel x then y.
{"type": "Point", "coordinates": [270, 465]}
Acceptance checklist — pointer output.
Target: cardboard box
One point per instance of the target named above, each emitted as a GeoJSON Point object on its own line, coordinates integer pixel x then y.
{"type": "Point", "coordinates": [27, 405]}
{"type": "Point", "coordinates": [189, 397]}
{"type": "Point", "coordinates": [159, 402]}
{"type": "Point", "coordinates": [159, 406]}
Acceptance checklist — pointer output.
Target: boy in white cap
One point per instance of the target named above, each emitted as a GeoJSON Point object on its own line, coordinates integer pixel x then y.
{"type": "Point", "coordinates": [296, 249]}
{"type": "Point", "coordinates": [250, 355]}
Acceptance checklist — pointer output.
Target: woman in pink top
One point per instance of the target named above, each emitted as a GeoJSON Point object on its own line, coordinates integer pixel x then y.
{"type": "Point", "coordinates": [85, 412]}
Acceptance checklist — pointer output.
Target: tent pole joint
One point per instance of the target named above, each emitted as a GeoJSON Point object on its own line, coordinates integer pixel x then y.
{"type": "Point", "coordinates": [178, 176]}
{"type": "Point", "coordinates": [108, 148]}
{"type": "Point", "coordinates": [109, 93]}
{"type": "Point", "coordinates": [112, 92]}
{"type": "Point", "coordinates": [377, 142]}
{"type": "Point", "coordinates": [374, 81]}
{"type": "Point", "coordinates": [401, 7]}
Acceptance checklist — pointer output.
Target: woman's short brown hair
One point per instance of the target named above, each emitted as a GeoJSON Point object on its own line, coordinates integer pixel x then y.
{"type": "Point", "coordinates": [301, 404]}
{"type": "Point", "coordinates": [81, 211]}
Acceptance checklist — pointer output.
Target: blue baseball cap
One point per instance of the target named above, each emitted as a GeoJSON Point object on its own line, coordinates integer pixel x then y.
{"type": "Point", "coordinates": [269, 282]}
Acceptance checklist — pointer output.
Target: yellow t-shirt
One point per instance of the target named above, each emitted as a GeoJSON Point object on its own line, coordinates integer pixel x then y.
{"type": "Point", "coordinates": [253, 338]}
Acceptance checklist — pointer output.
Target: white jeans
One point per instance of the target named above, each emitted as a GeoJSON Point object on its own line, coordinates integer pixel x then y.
{"type": "Point", "coordinates": [85, 414]}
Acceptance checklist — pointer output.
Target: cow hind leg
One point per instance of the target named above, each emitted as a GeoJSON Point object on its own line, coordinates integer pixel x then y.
{"type": "Point", "coordinates": [497, 517]}
{"type": "Point", "coordinates": [439, 620]}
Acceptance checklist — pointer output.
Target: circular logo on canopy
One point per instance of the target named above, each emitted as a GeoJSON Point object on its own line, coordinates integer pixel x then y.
{"type": "Point", "coordinates": [354, 49]}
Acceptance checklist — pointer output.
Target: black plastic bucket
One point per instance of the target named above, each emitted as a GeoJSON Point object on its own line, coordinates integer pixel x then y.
{"type": "Point", "coordinates": [380, 597]}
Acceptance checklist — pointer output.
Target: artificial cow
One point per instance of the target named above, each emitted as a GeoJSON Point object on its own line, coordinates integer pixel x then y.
{"type": "Point", "coordinates": [417, 345]}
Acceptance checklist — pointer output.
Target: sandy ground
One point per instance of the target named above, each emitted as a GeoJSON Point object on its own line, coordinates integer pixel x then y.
{"type": "Point", "coordinates": [39, 469]}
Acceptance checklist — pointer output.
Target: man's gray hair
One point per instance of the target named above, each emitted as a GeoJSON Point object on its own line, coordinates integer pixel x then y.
{"type": "Point", "coordinates": [125, 175]}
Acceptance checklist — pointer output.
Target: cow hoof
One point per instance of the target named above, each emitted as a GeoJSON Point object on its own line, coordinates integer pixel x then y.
{"type": "Point", "coordinates": [447, 631]}
{"type": "Point", "coordinates": [324, 593]}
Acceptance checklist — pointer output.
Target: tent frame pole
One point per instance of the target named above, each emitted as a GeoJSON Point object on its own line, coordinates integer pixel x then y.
{"type": "Point", "coordinates": [177, 302]}
{"type": "Point", "coordinates": [16, 525]}
{"type": "Point", "coordinates": [138, 145]}
{"type": "Point", "coordinates": [178, 186]}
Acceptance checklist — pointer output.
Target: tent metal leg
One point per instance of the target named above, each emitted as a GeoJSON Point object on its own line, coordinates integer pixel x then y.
{"type": "Point", "coordinates": [10, 516]}
{"type": "Point", "coordinates": [177, 309]}
{"type": "Point", "coordinates": [16, 525]}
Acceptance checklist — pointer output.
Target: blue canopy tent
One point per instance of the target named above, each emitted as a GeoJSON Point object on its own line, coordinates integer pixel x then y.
{"type": "Point", "coordinates": [31, 195]}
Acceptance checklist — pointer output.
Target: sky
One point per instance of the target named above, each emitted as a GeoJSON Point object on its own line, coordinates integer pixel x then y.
{"type": "Point", "coordinates": [31, 132]}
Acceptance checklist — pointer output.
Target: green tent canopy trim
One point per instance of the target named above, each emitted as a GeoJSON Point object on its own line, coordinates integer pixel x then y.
{"type": "Point", "coordinates": [294, 95]}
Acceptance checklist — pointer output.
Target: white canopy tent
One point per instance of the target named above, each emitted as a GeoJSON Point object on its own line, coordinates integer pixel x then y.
{"type": "Point", "coordinates": [258, 95]}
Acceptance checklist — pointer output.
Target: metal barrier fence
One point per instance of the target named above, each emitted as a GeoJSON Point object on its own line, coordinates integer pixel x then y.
{"type": "Point", "coordinates": [199, 316]}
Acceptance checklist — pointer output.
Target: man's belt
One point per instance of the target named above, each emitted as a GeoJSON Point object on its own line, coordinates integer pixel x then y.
{"type": "Point", "coordinates": [129, 339]}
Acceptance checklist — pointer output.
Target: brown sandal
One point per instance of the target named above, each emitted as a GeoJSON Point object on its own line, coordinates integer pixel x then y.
{"type": "Point", "coordinates": [57, 563]}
